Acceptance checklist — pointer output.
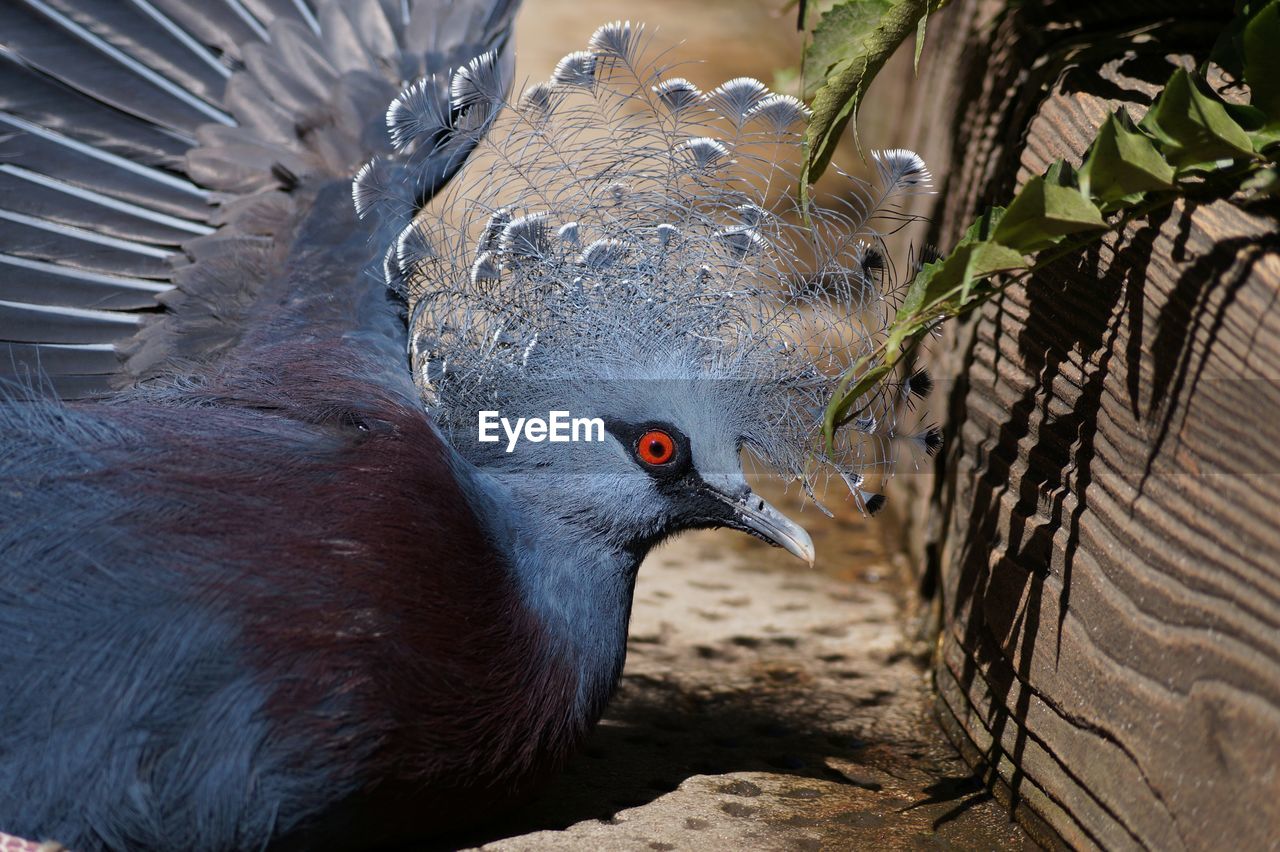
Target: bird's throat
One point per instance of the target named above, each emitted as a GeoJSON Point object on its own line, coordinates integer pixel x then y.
{"type": "Point", "coordinates": [576, 583]}
{"type": "Point", "coordinates": [581, 594]}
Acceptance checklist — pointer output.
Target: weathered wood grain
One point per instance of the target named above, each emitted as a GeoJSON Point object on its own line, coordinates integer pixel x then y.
{"type": "Point", "coordinates": [1105, 535]}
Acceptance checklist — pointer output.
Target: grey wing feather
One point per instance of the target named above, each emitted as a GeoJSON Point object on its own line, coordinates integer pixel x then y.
{"type": "Point", "coordinates": [160, 161]}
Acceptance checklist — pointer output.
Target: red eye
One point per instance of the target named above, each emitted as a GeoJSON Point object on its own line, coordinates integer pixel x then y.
{"type": "Point", "coordinates": [655, 447]}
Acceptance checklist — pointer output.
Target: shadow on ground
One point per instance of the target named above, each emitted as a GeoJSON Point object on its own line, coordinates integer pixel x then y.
{"type": "Point", "coordinates": [766, 706]}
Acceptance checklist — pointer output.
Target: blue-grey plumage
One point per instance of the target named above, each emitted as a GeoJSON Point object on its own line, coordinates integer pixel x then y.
{"type": "Point", "coordinates": [260, 585]}
{"type": "Point", "coordinates": [623, 229]}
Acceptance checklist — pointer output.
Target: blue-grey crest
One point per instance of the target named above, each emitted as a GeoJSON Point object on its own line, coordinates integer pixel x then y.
{"type": "Point", "coordinates": [616, 227]}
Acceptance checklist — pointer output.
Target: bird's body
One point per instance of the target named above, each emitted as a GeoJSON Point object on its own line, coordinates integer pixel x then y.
{"type": "Point", "coordinates": [283, 573]}
{"type": "Point", "coordinates": [258, 585]}
{"type": "Point", "coordinates": [302, 657]}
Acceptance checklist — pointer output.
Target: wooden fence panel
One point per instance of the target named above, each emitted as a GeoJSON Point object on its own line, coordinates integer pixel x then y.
{"type": "Point", "coordinates": [1105, 533]}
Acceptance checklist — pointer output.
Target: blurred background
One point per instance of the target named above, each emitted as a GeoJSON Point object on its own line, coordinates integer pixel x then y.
{"type": "Point", "coordinates": [712, 41]}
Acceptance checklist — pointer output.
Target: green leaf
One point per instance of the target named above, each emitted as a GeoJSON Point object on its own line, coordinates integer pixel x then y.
{"type": "Point", "coordinates": [839, 37]}
{"type": "Point", "coordinates": [1249, 117]}
{"type": "Point", "coordinates": [935, 289]}
{"type": "Point", "coordinates": [850, 45]}
{"type": "Point", "coordinates": [976, 261]}
{"type": "Point", "coordinates": [865, 381]}
{"type": "Point", "coordinates": [1122, 161]}
{"type": "Point", "coordinates": [920, 28]}
{"type": "Point", "coordinates": [984, 226]}
{"type": "Point", "coordinates": [1193, 128]}
{"type": "Point", "coordinates": [1261, 132]}
{"type": "Point", "coordinates": [1228, 50]}
{"type": "Point", "coordinates": [1261, 186]}
{"type": "Point", "coordinates": [1042, 214]}
{"type": "Point", "coordinates": [1060, 173]}
{"type": "Point", "coordinates": [919, 292]}
{"type": "Point", "coordinates": [1262, 62]}
{"type": "Point", "coordinates": [1264, 139]}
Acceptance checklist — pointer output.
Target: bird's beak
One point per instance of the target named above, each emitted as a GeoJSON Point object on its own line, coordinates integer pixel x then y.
{"type": "Point", "coordinates": [754, 515]}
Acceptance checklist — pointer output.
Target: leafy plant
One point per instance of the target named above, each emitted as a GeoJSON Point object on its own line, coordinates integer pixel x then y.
{"type": "Point", "coordinates": [849, 46]}
{"type": "Point", "coordinates": [1190, 141]}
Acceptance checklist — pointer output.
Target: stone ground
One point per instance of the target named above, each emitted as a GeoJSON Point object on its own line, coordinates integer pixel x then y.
{"type": "Point", "coordinates": [764, 706]}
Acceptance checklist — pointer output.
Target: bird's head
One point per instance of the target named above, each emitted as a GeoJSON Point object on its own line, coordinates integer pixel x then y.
{"type": "Point", "coordinates": [627, 249]}
{"type": "Point", "coordinates": [632, 454]}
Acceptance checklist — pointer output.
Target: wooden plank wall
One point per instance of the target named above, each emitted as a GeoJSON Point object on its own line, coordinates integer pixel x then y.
{"type": "Point", "coordinates": [1102, 539]}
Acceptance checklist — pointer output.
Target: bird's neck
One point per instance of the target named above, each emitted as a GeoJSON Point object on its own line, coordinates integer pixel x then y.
{"type": "Point", "coordinates": [582, 595]}
{"type": "Point", "coordinates": [578, 585]}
